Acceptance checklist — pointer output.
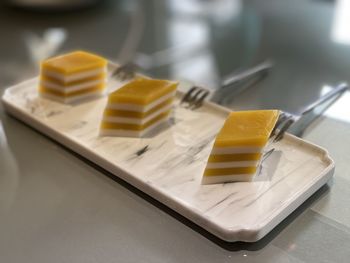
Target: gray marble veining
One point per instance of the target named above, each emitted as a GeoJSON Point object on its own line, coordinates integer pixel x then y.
{"type": "Point", "coordinates": [169, 165]}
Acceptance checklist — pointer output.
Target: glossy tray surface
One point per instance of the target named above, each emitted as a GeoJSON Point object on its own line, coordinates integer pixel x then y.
{"type": "Point", "coordinates": [168, 165]}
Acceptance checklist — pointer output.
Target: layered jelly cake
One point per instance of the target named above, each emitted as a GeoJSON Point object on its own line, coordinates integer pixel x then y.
{"type": "Point", "coordinates": [138, 107]}
{"type": "Point", "coordinates": [73, 76]}
{"type": "Point", "coordinates": [238, 148]}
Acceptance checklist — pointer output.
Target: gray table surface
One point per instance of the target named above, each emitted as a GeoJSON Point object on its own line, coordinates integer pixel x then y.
{"type": "Point", "coordinates": [57, 207]}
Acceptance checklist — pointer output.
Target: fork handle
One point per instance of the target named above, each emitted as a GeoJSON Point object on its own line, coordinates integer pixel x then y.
{"type": "Point", "coordinates": [234, 78]}
{"type": "Point", "coordinates": [336, 91]}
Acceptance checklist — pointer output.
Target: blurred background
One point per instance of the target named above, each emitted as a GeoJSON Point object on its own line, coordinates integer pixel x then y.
{"type": "Point", "coordinates": [200, 41]}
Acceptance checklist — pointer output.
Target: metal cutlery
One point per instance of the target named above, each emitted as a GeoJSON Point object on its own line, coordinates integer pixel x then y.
{"type": "Point", "coordinates": [297, 123]}
{"type": "Point", "coordinates": [196, 95]}
{"type": "Point", "coordinates": [287, 121]}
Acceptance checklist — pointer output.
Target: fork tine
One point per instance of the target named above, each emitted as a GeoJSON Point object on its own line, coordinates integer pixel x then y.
{"type": "Point", "coordinates": [198, 102]}
{"type": "Point", "coordinates": [187, 96]}
{"type": "Point", "coordinates": [289, 121]}
{"type": "Point", "coordinates": [281, 118]}
{"type": "Point", "coordinates": [195, 96]}
{"type": "Point", "coordinates": [267, 154]}
{"type": "Point", "coordinates": [126, 71]}
{"type": "Point", "coordinates": [117, 71]}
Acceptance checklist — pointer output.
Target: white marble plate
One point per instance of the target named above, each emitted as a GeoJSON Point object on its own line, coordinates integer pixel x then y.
{"type": "Point", "coordinates": [169, 165]}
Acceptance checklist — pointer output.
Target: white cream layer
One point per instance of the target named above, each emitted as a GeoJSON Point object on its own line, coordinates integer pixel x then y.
{"type": "Point", "coordinates": [232, 164]}
{"type": "Point", "coordinates": [75, 76]}
{"type": "Point", "coordinates": [139, 121]}
{"type": "Point", "coordinates": [216, 179]}
{"type": "Point", "coordinates": [233, 150]}
{"type": "Point", "coordinates": [72, 88]}
{"type": "Point", "coordinates": [140, 108]}
{"type": "Point", "coordinates": [73, 99]}
{"type": "Point", "coordinates": [132, 133]}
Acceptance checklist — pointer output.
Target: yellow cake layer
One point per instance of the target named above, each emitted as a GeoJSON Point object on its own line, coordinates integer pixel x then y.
{"type": "Point", "coordinates": [74, 62]}
{"type": "Point", "coordinates": [247, 128]}
{"type": "Point", "coordinates": [74, 93]}
{"type": "Point", "coordinates": [134, 127]}
{"type": "Point", "coordinates": [136, 114]}
{"type": "Point", "coordinates": [230, 171]}
{"type": "Point", "coordinates": [142, 91]}
{"type": "Point", "coordinates": [99, 76]}
{"type": "Point", "coordinates": [218, 158]}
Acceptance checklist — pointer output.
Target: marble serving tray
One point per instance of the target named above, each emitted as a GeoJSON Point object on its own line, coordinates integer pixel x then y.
{"type": "Point", "coordinates": [168, 165]}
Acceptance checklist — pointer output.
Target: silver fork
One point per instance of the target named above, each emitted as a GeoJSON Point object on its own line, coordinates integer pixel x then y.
{"type": "Point", "coordinates": [160, 58]}
{"type": "Point", "coordinates": [196, 95]}
{"type": "Point", "coordinates": [287, 121]}
{"type": "Point", "coordinates": [125, 72]}
{"type": "Point", "coordinates": [296, 124]}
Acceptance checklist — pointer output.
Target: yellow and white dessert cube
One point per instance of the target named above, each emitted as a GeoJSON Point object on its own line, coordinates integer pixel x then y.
{"type": "Point", "coordinates": [138, 107]}
{"type": "Point", "coordinates": [238, 147]}
{"type": "Point", "coordinates": [73, 76]}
